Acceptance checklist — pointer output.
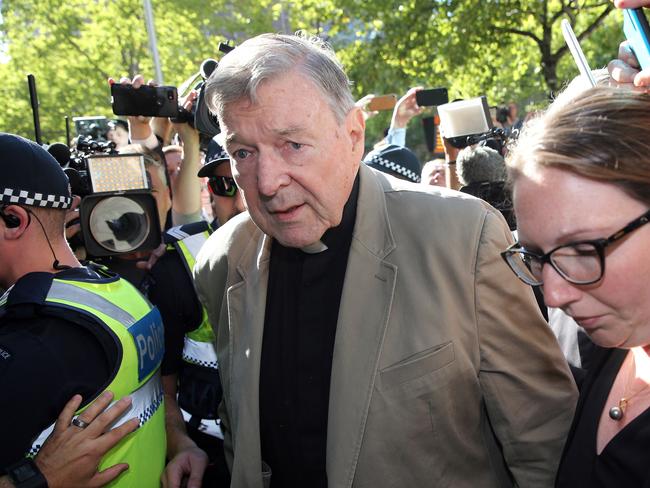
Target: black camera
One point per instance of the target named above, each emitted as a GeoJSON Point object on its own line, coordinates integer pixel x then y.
{"type": "Point", "coordinates": [203, 120]}
{"type": "Point", "coordinates": [118, 213]}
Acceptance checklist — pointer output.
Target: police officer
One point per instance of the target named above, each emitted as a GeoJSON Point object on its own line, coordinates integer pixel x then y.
{"type": "Point", "coordinates": [190, 367]}
{"type": "Point", "coordinates": [67, 328]}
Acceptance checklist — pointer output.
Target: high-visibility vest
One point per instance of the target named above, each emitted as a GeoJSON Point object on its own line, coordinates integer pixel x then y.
{"type": "Point", "coordinates": [115, 305]}
{"type": "Point", "coordinates": [198, 346]}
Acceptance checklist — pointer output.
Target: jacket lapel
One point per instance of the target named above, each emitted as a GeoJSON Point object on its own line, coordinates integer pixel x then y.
{"type": "Point", "coordinates": [246, 307]}
{"type": "Point", "coordinates": [363, 316]}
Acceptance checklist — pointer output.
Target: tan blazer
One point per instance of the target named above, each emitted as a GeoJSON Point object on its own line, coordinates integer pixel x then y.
{"type": "Point", "coordinates": [440, 357]}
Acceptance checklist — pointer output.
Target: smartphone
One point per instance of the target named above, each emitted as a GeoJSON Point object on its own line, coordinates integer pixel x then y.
{"type": "Point", "coordinates": [382, 102]}
{"type": "Point", "coordinates": [152, 101]}
{"type": "Point", "coordinates": [576, 51]}
{"type": "Point", "coordinates": [432, 97]}
{"type": "Point", "coordinates": [637, 32]}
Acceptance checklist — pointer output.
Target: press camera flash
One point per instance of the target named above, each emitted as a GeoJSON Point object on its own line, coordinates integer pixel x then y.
{"type": "Point", "coordinates": [117, 173]}
{"type": "Point", "coordinates": [465, 117]}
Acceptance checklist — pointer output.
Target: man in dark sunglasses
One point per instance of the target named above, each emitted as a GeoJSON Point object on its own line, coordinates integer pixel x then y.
{"type": "Point", "coordinates": [225, 198]}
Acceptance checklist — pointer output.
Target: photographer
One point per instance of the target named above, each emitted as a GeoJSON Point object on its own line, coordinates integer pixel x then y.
{"type": "Point", "coordinates": [118, 133]}
{"type": "Point", "coordinates": [68, 329]}
{"type": "Point", "coordinates": [153, 133]}
{"type": "Point", "coordinates": [190, 367]}
{"type": "Point", "coordinates": [482, 172]}
{"type": "Point", "coordinates": [166, 280]}
{"type": "Point", "coordinates": [405, 109]}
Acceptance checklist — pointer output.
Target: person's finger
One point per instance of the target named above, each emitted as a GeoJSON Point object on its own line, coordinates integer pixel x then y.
{"type": "Point", "coordinates": [116, 434]}
{"type": "Point", "coordinates": [72, 231]}
{"type": "Point", "coordinates": [65, 417]}
{"type": "Point", "coordinates": [152, 83]}
{"type": "Point", "coordinates": [172, 476]}
{"type": "Point", "coordinates": [138, 81]}
{"type": "Point", "coordinates": [125, 81]}
{"type": "Point", "coordinates": [626, 54]}
{"type": "Point", "coordinates": [196, 476]}
{"type": "Point", "coordinates": [631, 3]}
{"type": "Point", "coordinates": [642, 79]}
{"type": "Point", "coordinates": [110, 438]}
{"type": "Point", "coordinates": [108, 416]}
{"type": "Point", "coordinates": [190, 99]}
{"type": "Point", "coordinates": [96, 407]}
{"type": "Point", "coordinates": [621, 72]}
{"type": "Point", "coordinates": [109, 474]}
{"type": "Point", "coordinates": [73, 212]}
{"type": "Point", "coordinates": [76, 200]}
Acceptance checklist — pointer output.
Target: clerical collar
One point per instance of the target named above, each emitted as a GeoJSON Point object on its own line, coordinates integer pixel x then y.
{"type": "Point", "coordinates": [333, 236]}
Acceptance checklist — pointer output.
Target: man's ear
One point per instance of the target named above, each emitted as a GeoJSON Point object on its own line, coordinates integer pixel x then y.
{"type": "Point", "coordinates": [355, 124]}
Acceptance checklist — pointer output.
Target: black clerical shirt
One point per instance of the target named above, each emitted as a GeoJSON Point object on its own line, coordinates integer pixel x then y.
{"type": "Point", "coordinates": [302, 306]}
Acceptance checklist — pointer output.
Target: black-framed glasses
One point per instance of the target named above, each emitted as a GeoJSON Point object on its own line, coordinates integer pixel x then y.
{"type": "Point", "coordinates": [580, 262]}
{"type": "Point", "coordinates": [223, 186]}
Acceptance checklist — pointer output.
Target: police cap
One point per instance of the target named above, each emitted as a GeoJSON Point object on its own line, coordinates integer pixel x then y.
{"type": "Point", "coordinates": [29, 175]}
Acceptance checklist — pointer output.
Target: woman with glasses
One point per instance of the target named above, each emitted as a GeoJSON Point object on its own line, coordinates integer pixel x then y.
{"type": "Point", "coordinates": [581, 188]}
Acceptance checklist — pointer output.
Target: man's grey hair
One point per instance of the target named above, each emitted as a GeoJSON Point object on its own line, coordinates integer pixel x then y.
{"type": "Point", "coordinates": [268, 56]}
{"type": "Point", "coordinates": [480, 163]}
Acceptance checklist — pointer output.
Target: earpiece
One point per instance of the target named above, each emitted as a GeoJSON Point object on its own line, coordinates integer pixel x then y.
{"type": "Point", "coordinates": [11, 221]}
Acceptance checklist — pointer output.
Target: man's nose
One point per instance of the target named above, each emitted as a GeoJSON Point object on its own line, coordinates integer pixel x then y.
{"type": "Point", "coordinates": [271, 173]}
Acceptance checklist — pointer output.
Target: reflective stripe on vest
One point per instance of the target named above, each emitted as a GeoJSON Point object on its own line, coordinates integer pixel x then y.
{"type": "Point", "coordinates": [193, 244]}
{"type": "Point", "coordinates": [117, 306]}
{"type": "Point", "coordinates": [201, 353]}
{"type": "Point", "coordinates": [145, 401]}
{"type": "Point", "coordinates": [63, 291]}
{"type": "Point", "coordinates": [199, 343]}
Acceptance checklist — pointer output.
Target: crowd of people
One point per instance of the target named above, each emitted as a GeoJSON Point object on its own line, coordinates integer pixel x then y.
{"type": "Point", "coordinates": [336, 317]}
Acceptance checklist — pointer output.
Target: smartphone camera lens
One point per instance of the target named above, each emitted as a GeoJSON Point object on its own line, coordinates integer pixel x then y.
{"type": "Point", "coordinates": [170, 95]}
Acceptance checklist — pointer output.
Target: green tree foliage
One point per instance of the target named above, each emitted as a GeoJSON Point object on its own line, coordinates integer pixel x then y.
{"type": "Point", "coordinates": [506, 49]}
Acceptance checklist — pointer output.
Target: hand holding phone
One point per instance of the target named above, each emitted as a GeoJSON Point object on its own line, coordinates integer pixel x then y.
{"type": "Point", "coordinates": [637, 32]}
{"type": "Point", "coordinates": [382, 102]}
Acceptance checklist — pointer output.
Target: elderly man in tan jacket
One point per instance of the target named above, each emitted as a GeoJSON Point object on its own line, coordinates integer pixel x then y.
{"type": "Point", "coordinates": [368, 332]}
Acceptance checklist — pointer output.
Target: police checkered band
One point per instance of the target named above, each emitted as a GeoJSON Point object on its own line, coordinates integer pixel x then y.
{"type": "Point", "coordinates": [200, 353]}
{"type": "Point", "coordinates": [199, 362]}
{"type": "Point", "coordinates": [152, 408]}
{"type": "Point", "coordinates": [397, 168]}
{"type": "Point", "coordinates": [12, 196]}
{"type": "Point", "coordinates": [145, 402]}
{"type": "Point", "coordinates": [221, 155]}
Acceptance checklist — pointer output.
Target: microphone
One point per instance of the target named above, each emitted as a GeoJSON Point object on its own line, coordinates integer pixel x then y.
{"type": "Point", "coordinates": [60, 152]}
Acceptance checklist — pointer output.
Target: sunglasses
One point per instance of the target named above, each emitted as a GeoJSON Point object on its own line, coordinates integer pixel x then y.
{"type": "Point", "coordinates": [223, 186]}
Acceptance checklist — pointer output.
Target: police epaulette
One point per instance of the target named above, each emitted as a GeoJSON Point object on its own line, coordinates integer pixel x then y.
{"type": "Point", "coordinates": [181, 232]}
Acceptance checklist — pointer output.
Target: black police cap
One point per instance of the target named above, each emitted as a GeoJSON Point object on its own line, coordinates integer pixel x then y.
{"type": "Point", "coordinates": [215, 155]}
{"type": "Point", "coordinates": [29, 175]}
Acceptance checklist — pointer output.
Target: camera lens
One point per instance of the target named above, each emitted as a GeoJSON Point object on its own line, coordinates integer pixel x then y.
{"type": "Point", "coordinates": [119, 224]}
{"type": "Point", "coordinates": [170, 95]}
